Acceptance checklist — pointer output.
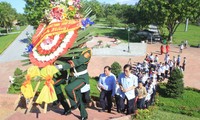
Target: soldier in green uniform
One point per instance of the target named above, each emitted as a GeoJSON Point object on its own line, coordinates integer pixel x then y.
{"type": "Point", "coordinates": [58, 81]}
{"type": "Point", "coordinates": [77, 66]}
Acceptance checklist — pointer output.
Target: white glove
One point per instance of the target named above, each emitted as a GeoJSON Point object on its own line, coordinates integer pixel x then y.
{"type": "Point", "coordinates": [59, 67]}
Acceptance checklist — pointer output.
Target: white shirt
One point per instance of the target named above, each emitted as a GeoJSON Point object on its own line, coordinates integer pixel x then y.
{"type": "Point", "coordinates": [171, 64]}
{"type": "Point", "coordinates": [168, 58]}
{"type": "Point", "coordinates": [181, 47]}
{"type": "Point", "coordinates": [151, 57]}
{"type": "Point", "coordinates": [118, 90]}
{"type": "Point", "coordinates": [149, 92]}
{"type": "Point", "coordinates": [145, 78]}
{"type": "Point", "coordinates": [163, 69]}
{"type": "Point", "coordinates": [174, 60]}
{"type": "Point", "coordinates": [166, 67]}
{"type": "Point", "coordinates": [159, 71]}
{"type": "Point", "coordinates": [128, 82]}
{"type": "Point", "coordinates": [156, 59]}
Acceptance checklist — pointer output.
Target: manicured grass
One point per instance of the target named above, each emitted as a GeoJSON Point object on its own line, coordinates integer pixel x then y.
{"type": "Point", "coordinates": [163, 115]}
{"type": "Point", "coordinates": [120, 34]}
{"type": "Point", "coordinates": [188, 104]}
{"type": "Point", "coordinates": [192, 35]}
{"type": "Point", "coordinates": [6, 40]}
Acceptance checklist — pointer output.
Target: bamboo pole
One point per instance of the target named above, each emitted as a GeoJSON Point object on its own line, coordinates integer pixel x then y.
{"type": "Point", "coordinates": [31, 100]}
{"type": "Point", "coordinates": [45, 107]}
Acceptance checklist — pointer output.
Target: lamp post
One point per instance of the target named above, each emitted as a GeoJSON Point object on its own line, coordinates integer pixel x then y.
{"type": "Point", "coordinates": [128, 40]}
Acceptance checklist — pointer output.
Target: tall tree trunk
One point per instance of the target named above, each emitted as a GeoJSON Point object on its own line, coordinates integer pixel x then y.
{"type": "Point", "coordinates": [170, 37]}
{"type": "Point", "coordinates": [7, 30]}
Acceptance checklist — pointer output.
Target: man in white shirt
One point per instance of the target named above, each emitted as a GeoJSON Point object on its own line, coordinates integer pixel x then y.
{"type": "Point", "coordinates": [107, 84]}
{"type": "Point", "coordinates": [163, 71]}
{"type": "Point", "coordinates": [178, 60]}
{"type": "Point", "coordinates": [171, 66]}
{"type": "Point", "coordinates": [166, 70]}
{"type": "Point", "coordinates": [181, 48]}
{"type": "Point", "coordinates": [174, 61]}
{"type": "Point", "coordinates": [128, 82]}
{"type": "Point", "coordinates": [156, 59]}
{"type": "Point", "coordinates": [151, 57]}
{"type": "Point", "coordinates": [159, 73]}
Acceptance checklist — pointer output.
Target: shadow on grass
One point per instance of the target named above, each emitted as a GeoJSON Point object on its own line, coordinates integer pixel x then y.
{"type": "Point", "coordinates": [161, 90]}
{"type": "Point", "coordinates": [121, 34]}
{"type": "Point", "coordinates": [195, 46]}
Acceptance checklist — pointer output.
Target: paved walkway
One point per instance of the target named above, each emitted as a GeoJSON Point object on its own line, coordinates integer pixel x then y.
{"type": "Point", "coordinates": [17, 47]}
{"type": "Point", "coordinates": [114, 49]}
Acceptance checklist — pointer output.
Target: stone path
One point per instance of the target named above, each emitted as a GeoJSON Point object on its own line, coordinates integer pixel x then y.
{"type": "Point", "coordinates": [110, 47]}
{"type": "Point", "coordinates": [17, 47]}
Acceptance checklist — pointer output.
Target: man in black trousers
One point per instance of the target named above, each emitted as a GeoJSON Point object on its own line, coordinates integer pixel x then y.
{"type": "Point", "coordinates": [107, 84]}
{"type": "Point", "coordinates": [58, 81]}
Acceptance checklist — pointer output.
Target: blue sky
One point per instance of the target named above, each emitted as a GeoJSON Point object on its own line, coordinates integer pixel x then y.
{"type": "Point", "coordinates": [20, 4]}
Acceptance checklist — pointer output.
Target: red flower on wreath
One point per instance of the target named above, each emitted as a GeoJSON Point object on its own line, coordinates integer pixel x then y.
{"type": "Point", "coordinates": [56, 13]}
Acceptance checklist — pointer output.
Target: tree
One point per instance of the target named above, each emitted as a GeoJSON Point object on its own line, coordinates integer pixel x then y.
{"type": "Point", "coordinates": [21, 18]}
{"type": "Point", "coordinates": [112, 20]}
{"type": "Point", "coordinates": [7, 15]}
{"type": "Point", "coordinates": [95, 6]}
{"type": "Point", "coordinates": [35, 10]}
{"type": "Point", "coordinates": [116, 68]}
{"type": "Point", "coordinates": [175, 86]}
{"type": "Point", "coordinates": [169, 13]}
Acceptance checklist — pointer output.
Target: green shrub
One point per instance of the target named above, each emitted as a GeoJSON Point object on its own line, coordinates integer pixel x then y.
{"type": "Point", "coordinates": [145, 114]}
{"type": "Point", "coordinates": [175, 86]}
{"type": "Point", "coordinates": [116, 68]}
{"type": "Point", "coordinates": [19, 78]}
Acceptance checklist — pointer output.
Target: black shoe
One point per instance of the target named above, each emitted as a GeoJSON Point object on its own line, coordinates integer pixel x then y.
{"type": "Point", "coordinates": [109, 111]}
{"type": "Point", "coordinates": [74, 107]}
{"type": "Point", "coordinates": [84, 118]}
{"type": "Point", "coordinates": [67, 112]}
{"type": "Point", "coordinates": [102, 110]}
{"type": "Point", "coordinates": [122, 111]}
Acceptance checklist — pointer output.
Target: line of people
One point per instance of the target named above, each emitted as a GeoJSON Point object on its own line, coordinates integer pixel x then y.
{"type": "Point", "coordinates": [135, 87]}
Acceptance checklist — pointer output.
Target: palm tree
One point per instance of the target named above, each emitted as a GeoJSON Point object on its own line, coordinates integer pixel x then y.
{"type": "Point", "coordinates": [7, 15]}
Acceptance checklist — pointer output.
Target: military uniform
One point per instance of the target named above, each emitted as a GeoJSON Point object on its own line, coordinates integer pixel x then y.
{"type": "Point", "coordinates": [78, 66]}
{"type": "Point", "coordinates": [58, 81]}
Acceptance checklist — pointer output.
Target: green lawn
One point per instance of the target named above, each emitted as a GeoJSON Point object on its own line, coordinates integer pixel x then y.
{"type": "Point", "coordinates": [192, 35]}
{"type": "Point", "coordinates": [120, 34]}
{"type": "Point", "coordinates": [188, 104]}
{"type": "Point", "coordinates": [163, 115]}
{"type": "Point", "coordinates": [6, 40]}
